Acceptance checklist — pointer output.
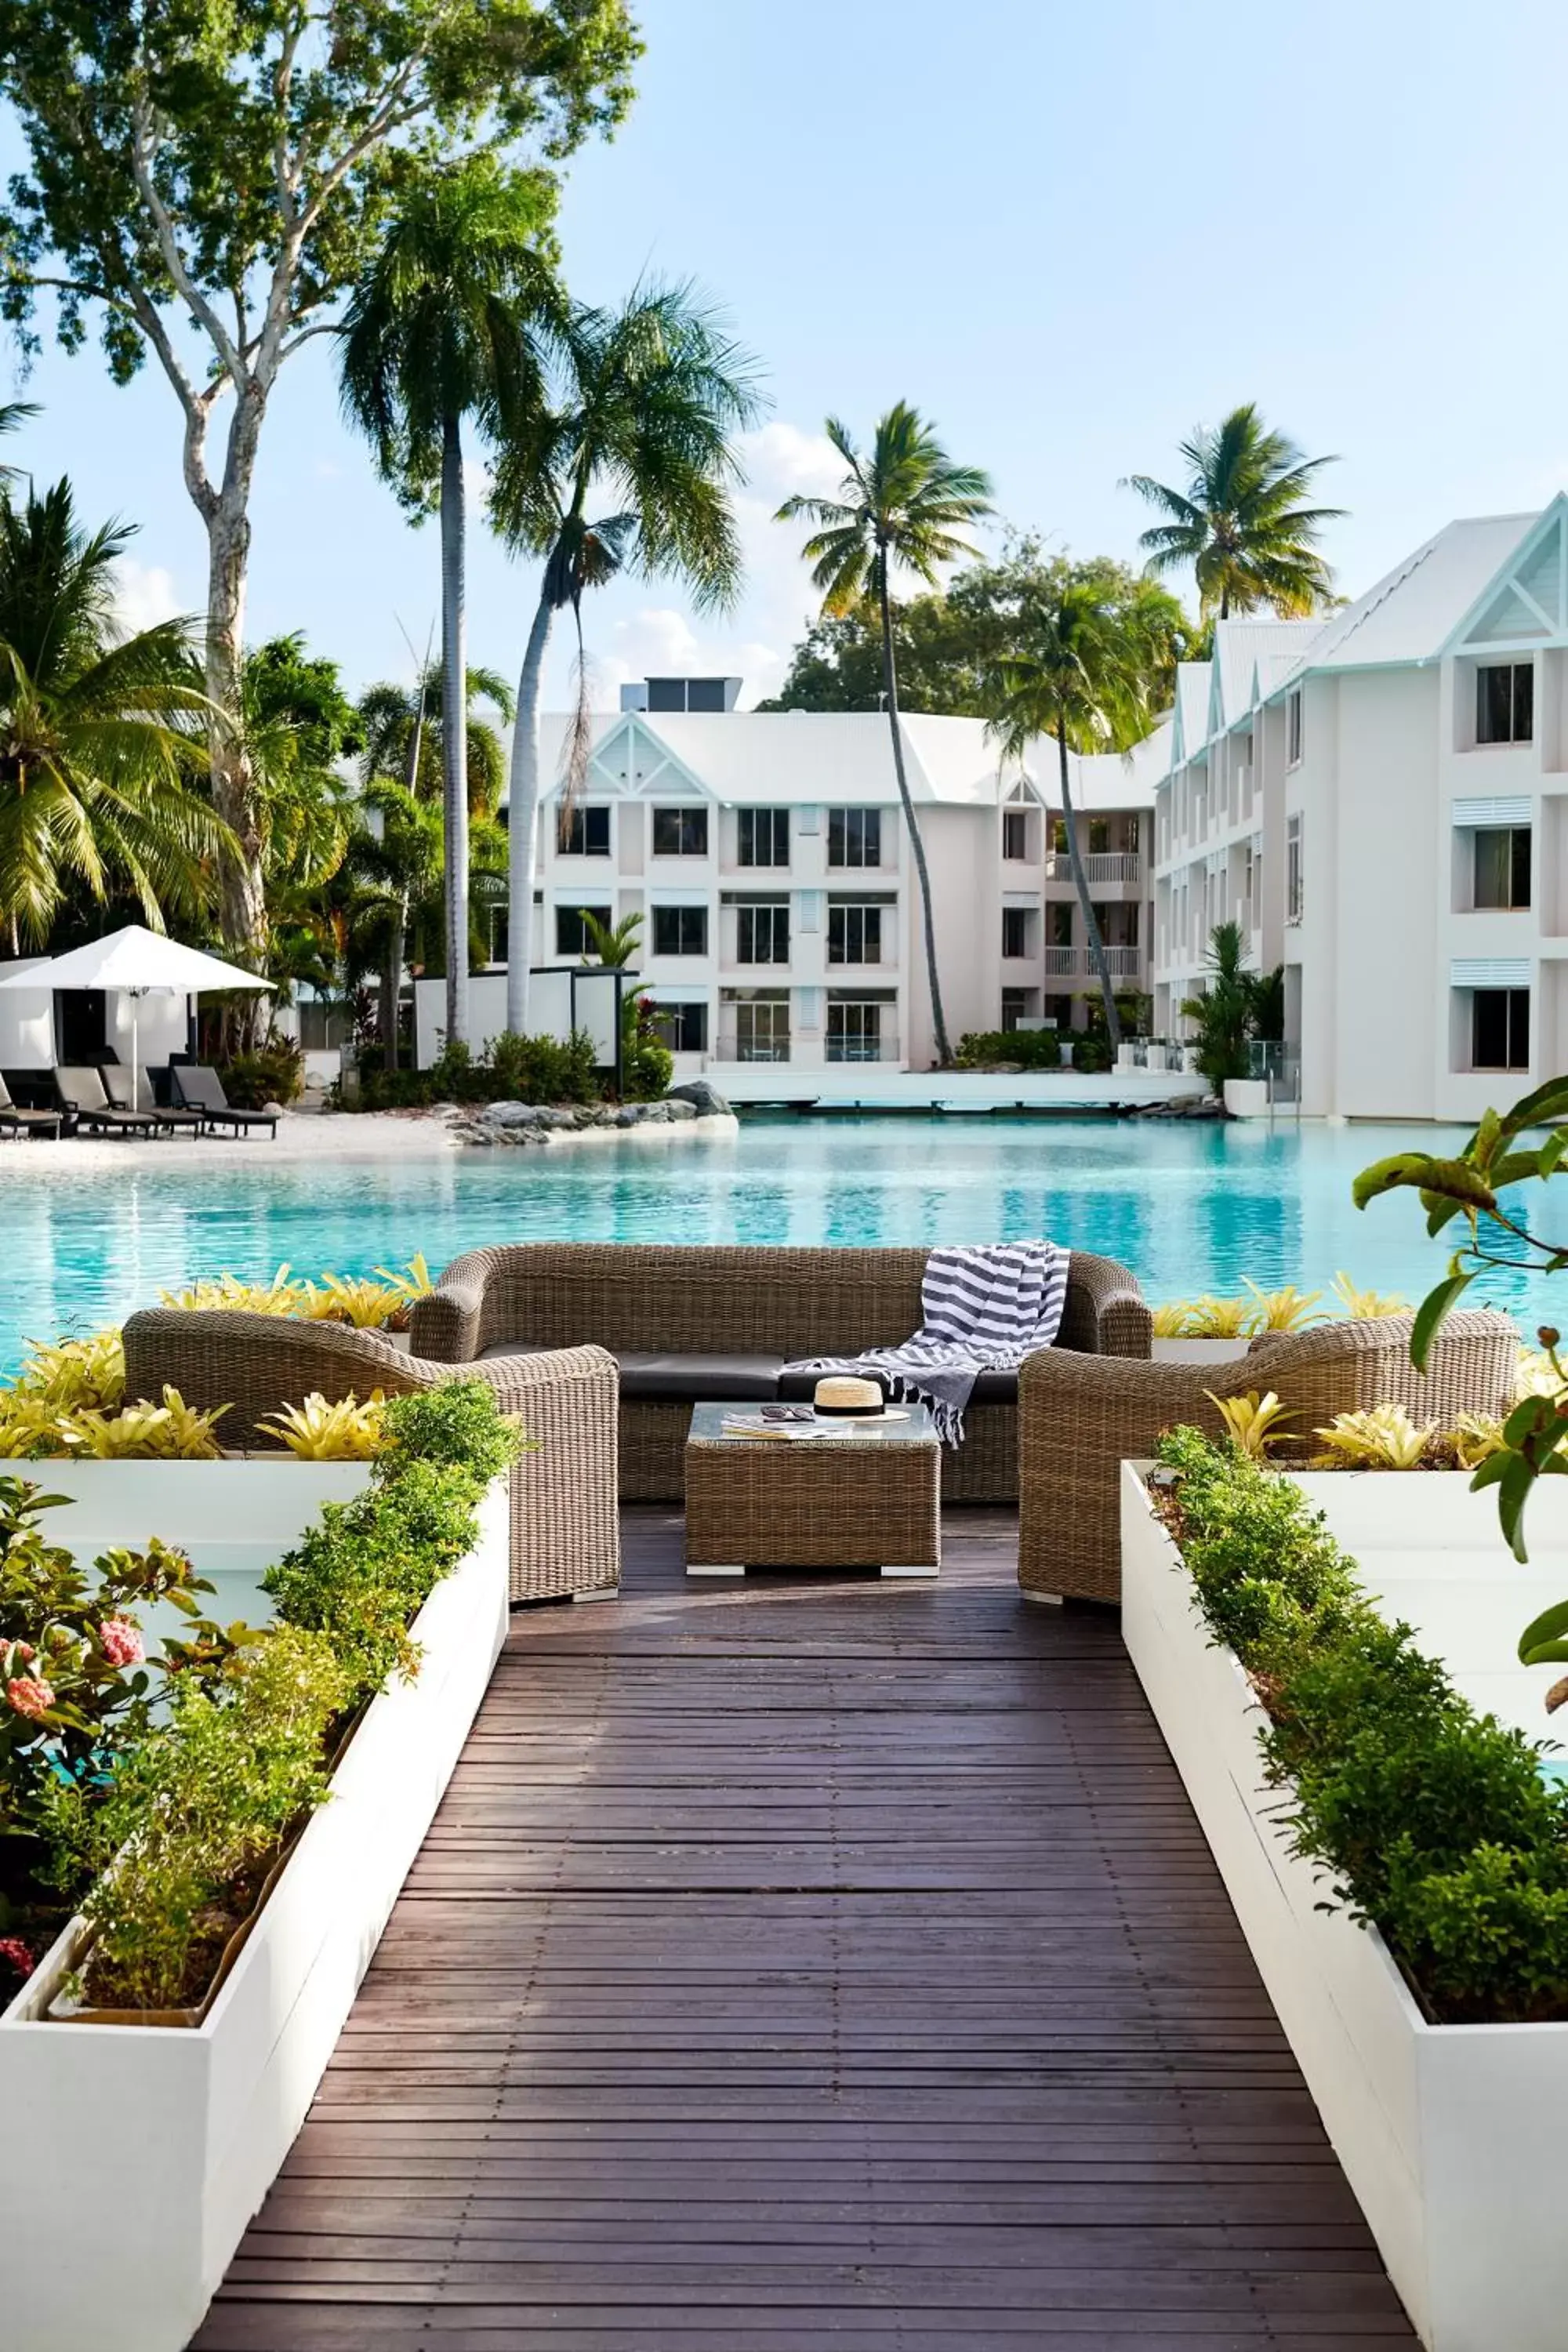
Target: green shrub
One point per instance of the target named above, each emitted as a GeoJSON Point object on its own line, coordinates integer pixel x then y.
{"type": "Point", "coordinates": [513, 1069]}
{"type": "Point", "coordinates": [1027, 1049]}
{"type": "Point", "coordinates": [273, 1073]}
{"type": "Point", "coordinates": [194, 1817]}
{"type": "Point", "coordinates": [1430, 1820]}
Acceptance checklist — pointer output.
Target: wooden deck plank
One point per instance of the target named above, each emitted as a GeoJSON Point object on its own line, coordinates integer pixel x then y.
{"type": "Point", "coordinates": [803, 1961]}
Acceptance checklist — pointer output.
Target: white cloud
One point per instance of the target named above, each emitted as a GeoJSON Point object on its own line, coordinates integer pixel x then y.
{"type": "Point", "coordinates": [143, 595]}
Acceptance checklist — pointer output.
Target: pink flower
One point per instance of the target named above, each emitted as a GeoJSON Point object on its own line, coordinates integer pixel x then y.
{"type": "Point", "coordinates": [30, 1696]}
{"type": "Point", "coordinates": [16, 1953]}
{"type": "Point", "coordinates": [120, 1643]}
{"type": "Point", "coordinates": [25, 1651]}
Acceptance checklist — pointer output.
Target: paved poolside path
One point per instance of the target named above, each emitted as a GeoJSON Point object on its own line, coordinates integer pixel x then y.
{"type": "Point", "coordinates": [805, 1964]}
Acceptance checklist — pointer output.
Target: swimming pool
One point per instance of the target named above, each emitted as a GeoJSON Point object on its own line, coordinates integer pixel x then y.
{"type": "Point", "coordinates": [1190, 1206]}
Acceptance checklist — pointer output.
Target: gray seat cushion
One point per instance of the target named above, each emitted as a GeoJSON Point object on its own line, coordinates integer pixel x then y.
{"type": "Point", "coordinates": [657, 1374]}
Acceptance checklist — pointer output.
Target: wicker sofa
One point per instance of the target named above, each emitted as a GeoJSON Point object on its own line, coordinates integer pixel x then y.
{"type": "Point", "coordinates": [719, 1323]}
{"type": "Point", "coordinates": [1080, 1420]}
{"type": "Point", "coordinates": [565, 1530]}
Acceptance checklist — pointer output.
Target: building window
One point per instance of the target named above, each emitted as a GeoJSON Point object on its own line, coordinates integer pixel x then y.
{"type": "Point", "coordinates": [763, 837]}
{"type": "Point", "coordinates": [1293, 874]}
{"type": "Point", "coordinates": [855, 837]}
{"type": "Point", "coordinates": [682, 1028]}
{"type": "Point", "coordinates": [761, 1028]}
{"type": "Point", "coordinates": [1015, 833]}
{"type": "Point", "coordinates": [854, 1032]}
{"type": "Point", "coordinates": [680, 930]}
{"type": "Point", "coordinates": [761, 934]}
{"type": "Point", "coordinates": [1018, 1004]}
{"type": "Point", "coordinates": [1017, 925]}
{"type": "Point", "coordinates": [1293, 728]}
{"type": "Point", "coordinates": [1502, 866]}
{"type": "Point", "coordinates": [1499, 1030]}
{"type": "Point", "coordinates": [681, 833]}
{"type": "Point", "coordinates": [1058, 836]}
{"type": "Point", "coordinates": [854, 934]}
{"type": "Point", "coordinates": [1059, 914]}
{"type": "Point", "coordinates": [1505, 702]}
{"type": "Point", "coordinates": [586, 833]}
{"type": "Point", "coordinates": [1098, 836]}
{"type": "Point", "coordinates": [571, 932]}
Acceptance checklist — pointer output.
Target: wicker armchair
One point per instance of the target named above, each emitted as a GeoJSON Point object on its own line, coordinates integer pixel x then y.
{"type": "Point", "coordinates": [565, 1528]}
{"type": "Point", "coordinates": [664, 1311]}
{"type": "Point", "coordinates": [1080, 1417]}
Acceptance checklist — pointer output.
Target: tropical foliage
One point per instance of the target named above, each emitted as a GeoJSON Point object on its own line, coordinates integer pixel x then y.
{"type": "Point", "coordinates": [1243, 520]}
{"type": "Point", "coordinates": [1082, 654]}
{"type": "Point", "coordinates": [903, 505]}
{"type": "Point", "coordinates": [446, 330]}
{"type": "Point", "coordinates": [627, 465]}
{"type": "Point", "coordinates": [1234, 1006]}
{"type": "Point", "coordinates": [100, 743]}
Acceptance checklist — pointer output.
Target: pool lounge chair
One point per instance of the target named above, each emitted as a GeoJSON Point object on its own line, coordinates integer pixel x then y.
{"type": "Point", "coordinates": [82, 1092]}
{"type": "Point", "coordinates": [200, 1088]}
{"type": "Point", "coordinates": [13, 1120]}
{"type": "Point", "coordinates": [117, 1083]}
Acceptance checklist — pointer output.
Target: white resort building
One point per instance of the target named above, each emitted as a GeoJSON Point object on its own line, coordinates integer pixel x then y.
{"type": "Point", "coordinates": [1379, 799]}
{"type": "Point", "coordinates": [765, 853]}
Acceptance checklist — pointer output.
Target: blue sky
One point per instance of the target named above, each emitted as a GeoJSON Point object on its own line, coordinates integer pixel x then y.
{"type": "Point", "coordinates": [1069, 234]}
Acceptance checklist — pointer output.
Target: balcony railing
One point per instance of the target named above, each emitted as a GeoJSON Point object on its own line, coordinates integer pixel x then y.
{"type": "Point", "coordinates": [884, 1048]}
{"type": "Point", "coordinates": [1099, 865]}
{"type": "Point", "coordinates": [1074, 963]}
{"type": "Point", "coordinates": [731, 1049]}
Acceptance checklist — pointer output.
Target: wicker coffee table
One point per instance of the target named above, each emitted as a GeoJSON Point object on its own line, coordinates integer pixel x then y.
{"type": "Point", "coordinates": [868, 1496]}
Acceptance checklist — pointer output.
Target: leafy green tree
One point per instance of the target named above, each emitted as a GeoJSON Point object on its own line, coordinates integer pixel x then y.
{"type": "Point", "coordinates": [99, 734]}
{"type": "Point", "coordinates": [1084, 653]}
{"type": "Point", "coordinates": [394, 863]}
{"type": "Point", "coordinates": [226, 173]}
{"type": "Point", "coordinates": [443, 328]}
{"type": "Point", "coordinates": [1223, 1011]}
{"type": "Point", "coordinates": [901, 504]}
{"type": "Point", "coordinates": [627, 466]}
{"type": "Point", "coordinates": [1243, 521]}
{"type": "Point", "coordinates": [403, 735]}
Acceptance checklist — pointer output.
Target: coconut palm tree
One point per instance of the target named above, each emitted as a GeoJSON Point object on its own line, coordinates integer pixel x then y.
{"type": "Point", "coordinates": [901, 504]}
{"type": "Point", "coordinates": [404, 736]}
{"type": "Point", "coordinates": [627, 467]}
{"type": "Point", "coordinates": [446, 328]}
{"type": "Point", "coordinates": [1243, 521]}
{"type": "Point", "coordinates": [395, 863]}
{"type": "Point", "coordinates": [1079, 670]}
{"type": "Point", "coordinates": [100, 750]}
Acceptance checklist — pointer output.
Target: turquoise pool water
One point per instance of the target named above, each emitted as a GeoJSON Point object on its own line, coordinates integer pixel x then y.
{"type": "Point", "coordinates": [1191, 1207]}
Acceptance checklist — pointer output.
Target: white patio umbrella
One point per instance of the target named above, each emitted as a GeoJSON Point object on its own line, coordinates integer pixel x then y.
{"type": "Point", "coordinates": [136, 962]}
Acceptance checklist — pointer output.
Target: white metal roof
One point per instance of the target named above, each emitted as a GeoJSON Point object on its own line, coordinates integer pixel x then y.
{"type": "Point", "coordinates": [790, 758]}
{"type": "Point", "coordinates": [1411, 613]}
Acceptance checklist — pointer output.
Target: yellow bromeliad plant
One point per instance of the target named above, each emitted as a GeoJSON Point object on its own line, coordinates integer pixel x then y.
{"type": "Point", "coordinates": [1219, 1318]}
{"type": "Point", "coordinates": [316, 1431]}
{"type": "Point", "coordinates": [1288, 1309]}
{"type": "Point", "coordinates": [281, 1296]}
{"type": "Point", "coordinates": [142, 1431]}
{"type": "Point", "coordinates": [1366, 1306]}
{"type": "Point", "coordinates": [1382, 1438]}
{"type": "Point", "coordinates": [1252, 1421]}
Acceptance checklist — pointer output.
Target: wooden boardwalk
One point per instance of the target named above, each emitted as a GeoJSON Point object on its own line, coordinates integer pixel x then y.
{"type": "Point", "coordinates": [805, 1965]}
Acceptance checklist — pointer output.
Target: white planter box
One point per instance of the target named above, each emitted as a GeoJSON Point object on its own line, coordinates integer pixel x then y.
{"type": "Point", "coordinates": [1246, 1097]}
{"type": "Point", "coordinates": [146, 2149]}
{"type": "Point", "coordinates": [1450, 2136]}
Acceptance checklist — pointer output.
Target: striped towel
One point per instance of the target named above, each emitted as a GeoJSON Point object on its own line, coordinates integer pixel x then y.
{"type": "Point", "coordinates": [982, 1310]}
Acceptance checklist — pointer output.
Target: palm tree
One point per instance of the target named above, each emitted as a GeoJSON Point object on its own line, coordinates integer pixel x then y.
{"type": "Point", "coordinates": [640, 423]}
{"type": "Point", "coordinates": [1226, 1013]}
{"type": "Point", "coordinates": [444, 327]}
{"type": "Point", "coordinates": [1243, 522]}
{"type": "Point", "coordinates": [396, 866]}
{"type": "Point", "coordinates": [614, 944]}
{"type": "Point", "coordinates": [404, 736]}
{"type": "Point", "coordinates": [899, 505]}
{"type": "Point", "coordinates": [99, 751]}
{"type": "Point", "coordinates": [1080, 669]}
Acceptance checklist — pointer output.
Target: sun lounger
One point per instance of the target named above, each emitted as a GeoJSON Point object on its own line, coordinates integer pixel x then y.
{"type": "Point", "coordinates": [13, 1120]}
{"type": "Point", "coordinates": [200, 1088]}
{"type": "Point", "coordinates": [117, 1083]}
{"type": "Point", "coordinates": [82, 1092]}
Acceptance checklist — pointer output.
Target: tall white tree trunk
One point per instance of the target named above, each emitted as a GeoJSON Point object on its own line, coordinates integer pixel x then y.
{"type": "Point", "coordinates": [225, 512]}
{"type": "Point", "coordinates": [455, 731]}
{"type": "Point", "coordinates": [1084, 903]}
{"type": "Point", "coordinates": [522, 822]}
{"type": "Point", "coordinates": [917, 846]}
